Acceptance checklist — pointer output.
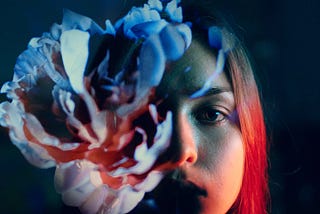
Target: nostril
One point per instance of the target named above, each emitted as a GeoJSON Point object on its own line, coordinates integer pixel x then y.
{"type": "Point", "coordinates": [191, 160]}
{"type": "Point", "coordinates": [191, 155]}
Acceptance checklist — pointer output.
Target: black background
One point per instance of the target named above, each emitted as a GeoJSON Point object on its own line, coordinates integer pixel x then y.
{"type": "Point", "coordinates": [283, 39]}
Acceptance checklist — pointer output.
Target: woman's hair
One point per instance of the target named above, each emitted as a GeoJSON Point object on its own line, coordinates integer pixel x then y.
{"type": "Point", "coordinates": [254, 192]}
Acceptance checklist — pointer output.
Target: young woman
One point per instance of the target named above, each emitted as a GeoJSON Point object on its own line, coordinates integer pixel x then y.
{"type": "Point", "coordinates": [218, 156]}
{"type": "Point", "coordinates": [164, 103]}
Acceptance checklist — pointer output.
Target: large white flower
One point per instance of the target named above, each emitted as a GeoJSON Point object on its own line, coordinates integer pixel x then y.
{"type": "Point", "coordinates": [95, 122]}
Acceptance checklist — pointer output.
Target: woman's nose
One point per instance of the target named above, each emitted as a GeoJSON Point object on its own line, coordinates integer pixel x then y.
{"type": "Point", "coordinates": [187, 142]}
{"type": "Point", "coordinates": [183, 148]}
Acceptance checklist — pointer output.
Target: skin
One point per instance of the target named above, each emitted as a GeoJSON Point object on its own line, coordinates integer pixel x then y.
{"type": "Point", "coordinates": [207, 147]}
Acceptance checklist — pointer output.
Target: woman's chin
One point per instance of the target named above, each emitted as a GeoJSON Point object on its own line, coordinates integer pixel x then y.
{"type": "Point", "coordinates": [172, 197]}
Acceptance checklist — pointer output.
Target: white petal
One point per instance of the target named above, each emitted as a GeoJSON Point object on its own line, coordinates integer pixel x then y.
{"type": "Point", "coordinates": [75, 52]}
{"type": "Point", "coordinates": [72, 175]}
{"type": "Point", "coordinates": [141, 151]}
{"type": "Point", "coordinates": [129, 199]}
{"type": "Point", "coordinates": [153, 112]}
{"type": "Point", "coordinates": [72, 20]}
{"type": "Point", "coordinates": [12, 116]}
{"type": "Point", "coordinates": [95, 200]}
{"type": "Point", "coordinates": [150, 182]}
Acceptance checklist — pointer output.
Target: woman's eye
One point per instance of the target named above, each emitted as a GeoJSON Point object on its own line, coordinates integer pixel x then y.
{"type": "Point", "coordinates": [210, 116]}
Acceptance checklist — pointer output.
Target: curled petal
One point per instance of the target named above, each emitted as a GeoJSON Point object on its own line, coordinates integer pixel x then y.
{"type": "Point", "coordinates": [151, 66]}
{"type": "Point", "coordinates": [155, 4]}
{"type": "Point", "coordinates": [150, 182]}
{"type": "Point", "coordinates": [109, 28]}
{"type": "Point", "coordinates": [80, 184]}
{"type": "Point", "coordinates": [41, 59]}
{"type": "Point", "coordinates": [219, 40]}
{"type": "Point", "coordinates": [74, 51]}
{"type": "Point", "coordinates": [215, 37]}
{"type": "Point", "coordinates": [72, 175]}
{"type": "Point", "coordinates": [128, 199]}
{"type": "Point", "coordinates": [185, 32]}
{"type": "Point", "coordinates": [56, 31]}
{"type": "Point", "coordinates": [218, 70]}
{"type": "Point", "coordinates": [174, 11]}
{"type": "Point", "coordinates": [146, 157]}
{"type": "Point", "coordinates": [72, 20]}
{"type": "Point", "coordinates": [151, 62]}
{"type": "Point", "coordinates": [154, 113]}
{"type": "Point", "coordinates": [11, 88]}
{"type": "Point", "coordinates": [172, 42]}
{"type": "Point", "coordinates": [95, 201]}
{"type": "Point", "coordinates": [13, 117]}
{"type": "Point", "coordinates": [67, 104]}
{"type": "Point", "coordinates": [144, 30]}
{"type": "Point", "coordinates": [137, 16]}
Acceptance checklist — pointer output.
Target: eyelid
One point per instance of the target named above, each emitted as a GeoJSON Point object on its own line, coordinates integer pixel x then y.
{"type": "Point", "coordinates": [224, 114]}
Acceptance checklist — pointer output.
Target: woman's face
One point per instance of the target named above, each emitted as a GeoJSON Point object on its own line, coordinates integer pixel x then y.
{"type": "Point", "coordinates": [207, 150]}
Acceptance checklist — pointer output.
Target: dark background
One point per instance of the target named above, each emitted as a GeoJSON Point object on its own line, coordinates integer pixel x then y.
{"type": "Point", "coordinates": [283, 38]}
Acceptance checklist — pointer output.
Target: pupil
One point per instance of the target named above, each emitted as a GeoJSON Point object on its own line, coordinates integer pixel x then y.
{"type": "Point", "coordinates": [212, 115]}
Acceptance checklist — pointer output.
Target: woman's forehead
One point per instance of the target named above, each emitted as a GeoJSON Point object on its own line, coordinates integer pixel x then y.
{"type": "Point", "coordinates": [189, 74]}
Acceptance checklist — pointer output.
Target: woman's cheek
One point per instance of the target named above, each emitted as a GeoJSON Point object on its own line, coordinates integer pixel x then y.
{"type": "Point", "coordinates": [221, 165]}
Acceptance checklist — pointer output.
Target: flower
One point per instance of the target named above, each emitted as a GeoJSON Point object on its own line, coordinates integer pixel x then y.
{"type": "Point", "coordinates": [90, 112]}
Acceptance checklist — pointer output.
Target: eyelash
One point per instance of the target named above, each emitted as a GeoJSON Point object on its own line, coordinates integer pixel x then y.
{"type": "Point", "coordinates": [210, 116]}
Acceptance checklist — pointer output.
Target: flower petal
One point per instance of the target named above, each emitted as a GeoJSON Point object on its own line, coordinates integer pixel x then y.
{"type": "Point", "coordinates": [128, 199]}
{"type": "Point", "coordinates": [174, 11]}
{"type": "Point", "coordinates": [151, 62]}
{"type": "Point", "coordinates": [218, 70]}
{"type": "Point", "coordinates": [145, 29]}
{"type": "Point", "coordinates": [13, 117]}
{"type": "Point", "coordinates": [138, 16]}
{"type": "Point", "coordinates": [74, 51]}
{"type": "Point", "coordinates": [72, 20]}
{"type": "Point", "coordinates": [146, 157]}
{"type": "Point", "coordinates": [76, 181]}
{"type": "Point", "coordinates": [155, 4]}
{"type": "Point", "coordinates": [172, 42]}
{"type": "Point", "coordinates": [215, 37]}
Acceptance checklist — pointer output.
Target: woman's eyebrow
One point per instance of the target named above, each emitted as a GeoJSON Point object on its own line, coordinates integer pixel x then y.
{"type": "Point", "coordinates": [216, 90]}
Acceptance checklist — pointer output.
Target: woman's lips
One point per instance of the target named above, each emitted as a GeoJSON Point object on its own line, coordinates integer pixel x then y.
{"type": "Point", "coordinates": [188, 187]}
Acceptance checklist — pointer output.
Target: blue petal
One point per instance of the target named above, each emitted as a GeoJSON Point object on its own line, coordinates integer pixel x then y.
{"type": "Point", "coordinates": [36, 62]}
{"type": "Point", "coordinates": [151, 65]}
{"type": "Point", "coordinates": [72, 20]}
{"type": "Point", "coordinates": [172, 42]}
{"type": "Point", "coordinates": [109, 28]}
{"type": "Point", "coordinates": [186, 33]}
{"type": "Point", "coordinates": [56, 31]}
{"type": "Point", "coordinates": [147, 28]}
{"type": "Point", "coordinates": [155, 4]}
{"type": "Point", "coordinates": [174, 11]}
{"type": "Point", "coordinates": [137, 16]}
{"type": "Point", "coordinates": [220, 62]}
{"type": "Point", "coordinates": [215, 37]}
{"type": "Point", "coordinates": [151, 62]}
